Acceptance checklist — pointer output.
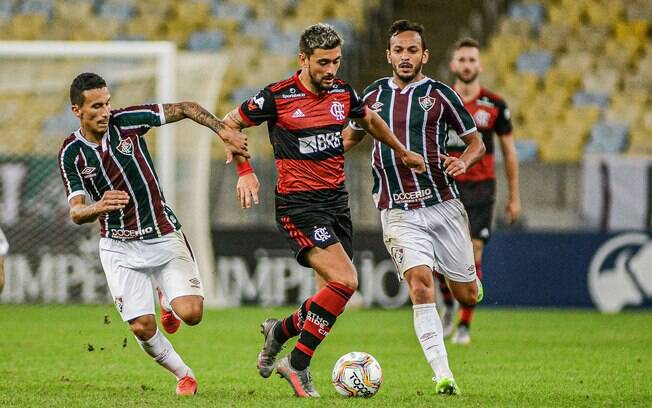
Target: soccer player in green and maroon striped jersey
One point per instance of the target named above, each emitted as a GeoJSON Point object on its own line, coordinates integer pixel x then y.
{"type": "Point", "coordinates": [141, 240]}
{"type": "Point", "coordinates": [424, 223]}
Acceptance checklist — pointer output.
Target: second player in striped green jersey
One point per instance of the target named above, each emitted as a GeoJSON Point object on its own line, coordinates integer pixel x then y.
{"type": "Point", "coordinates": [420, 114]}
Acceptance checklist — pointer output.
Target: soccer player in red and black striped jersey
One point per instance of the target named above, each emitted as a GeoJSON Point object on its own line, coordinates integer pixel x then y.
{"type": "Point", "coordinates": [141, 240]}
{"type": "Point", "coordinates": [305, 115]}
{"type": "Point", "coordinates": [425, 227]}
{"type": "Point", "coordinates": [478, 186]}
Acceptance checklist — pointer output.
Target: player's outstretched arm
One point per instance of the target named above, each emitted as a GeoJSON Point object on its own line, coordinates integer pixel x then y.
{"type": "Point", "coordinates": [456, 166]}
{"type": "Point", "coordinates": [235, 142]}
{"type": "Point", "coordinates": [376, 126]}
{"type": "Point", "coordinates": [112, 200]}
{"type": "Point", "coordinates": [248, 185]}
{"type": "Point", "coordinates": [513, 208]}
{"type": "Point", "coordinates": [351, 137]}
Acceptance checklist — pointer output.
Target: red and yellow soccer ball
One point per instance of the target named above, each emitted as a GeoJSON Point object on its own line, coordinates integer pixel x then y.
{"type": "Point", "coordinates": [357, 374]}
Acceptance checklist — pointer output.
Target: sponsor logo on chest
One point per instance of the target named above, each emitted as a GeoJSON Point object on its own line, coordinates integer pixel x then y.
{"type": "Point", "coordinates": [319, 143]}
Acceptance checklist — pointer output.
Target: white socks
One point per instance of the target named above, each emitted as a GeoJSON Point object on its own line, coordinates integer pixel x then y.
{"type": "Point", "coordinates": [160, 348]}
{"type": "Point", "coordinates": [430, 333]}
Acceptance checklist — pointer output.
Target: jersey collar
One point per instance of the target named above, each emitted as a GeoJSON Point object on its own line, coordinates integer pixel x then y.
{"type": "Point", "coordinates": [409, 86]}
{"type": "Point", "coordinates": [305, 90]}
{"type": "Point", "coordinates": [87, 142]}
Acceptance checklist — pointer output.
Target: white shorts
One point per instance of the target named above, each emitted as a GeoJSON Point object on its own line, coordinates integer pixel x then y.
{"type": "Point", "coordinates": [4, 245]}
{"type": "Point", "coordinates": [130, 266]}
{"type": "Point", "coordinates": [436, 236]}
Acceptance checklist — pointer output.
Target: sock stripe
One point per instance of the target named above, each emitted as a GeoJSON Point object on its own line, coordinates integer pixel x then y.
{"type": "Point", "coordinates": [337, 292]}
{"type": "Point", "coordinates": [304, 349]}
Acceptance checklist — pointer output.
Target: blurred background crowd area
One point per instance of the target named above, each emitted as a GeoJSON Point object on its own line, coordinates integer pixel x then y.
{"type": "Point", "coordinates": [577, 75]}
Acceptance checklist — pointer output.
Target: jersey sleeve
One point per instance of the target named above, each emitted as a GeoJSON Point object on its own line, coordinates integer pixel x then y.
{"type": "Point", "coordinates": [141, 118]}
{"type": "Point", "coordinates": [503, 124]}
{"type": "Point", "coordinates": [72, 180]}
{"type": "Point", "coordinates": [455, 113]}
{"type": "Point", "coordinates": [259, 108]}
{"type": "Point", "coordinates": [367, 102]}
{"type": "Point", "coordinates": [357, 108]}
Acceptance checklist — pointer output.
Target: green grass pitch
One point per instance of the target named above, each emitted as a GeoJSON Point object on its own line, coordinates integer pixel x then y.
{"type": "Point", "coordinates": [519, 358]}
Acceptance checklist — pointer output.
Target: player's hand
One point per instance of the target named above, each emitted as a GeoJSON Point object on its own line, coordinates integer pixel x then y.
{"type": "Point", "coordinates": [247, 190]}
{"type": "Point", "coordinates": [512, 210]}
{"type": "Point", "coordinates": [235, 143]}
{"type": "Point", "coordinates": [414, 161]}
{"type": "Point", "coordinates": [112, 200]}
{"type": "Point", "coordinates": [453, 165]}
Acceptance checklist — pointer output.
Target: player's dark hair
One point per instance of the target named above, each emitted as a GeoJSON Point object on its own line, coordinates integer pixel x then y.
{"type": "Point", "coordinates": [400, 26]}
{"type": "Point", "coordinates": [84, 82]}
{"type": "Point", "coordinates": [467, 42]}
{"type": "Point", "coordinates": [321, 36]}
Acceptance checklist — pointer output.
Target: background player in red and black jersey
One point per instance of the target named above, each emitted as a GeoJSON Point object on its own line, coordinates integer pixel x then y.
{"type": "Point", "coordinates": [478, 186]}
{"type": "Point", "coordinates": [305, 115]}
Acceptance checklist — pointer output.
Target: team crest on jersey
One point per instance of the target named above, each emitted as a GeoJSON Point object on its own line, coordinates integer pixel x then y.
{"type": "Point", "coordinates": [119, 304]}
{"type": "Point", "coordinates": [321, 234]}
{"type": "Point", "coordinates": [337, 110]}
{"type": "Point", "coordinates": [126, 147]}
{"type": "Point", "coordinates": [376, 106]}
{"type": "Point", "coordinates": [426, 102]}
{"type": "Point", "coordinates": [482, 117]}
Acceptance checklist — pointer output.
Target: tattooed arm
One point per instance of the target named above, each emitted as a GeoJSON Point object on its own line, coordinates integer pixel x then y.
{"type": "Point", "coordinates": [235, 142]}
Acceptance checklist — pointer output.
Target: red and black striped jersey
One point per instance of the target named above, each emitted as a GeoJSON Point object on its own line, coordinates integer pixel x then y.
{"type": "Point", "coordinates": [305, 130]}
{"type": "Point", "coordinates": [491, 116]}
{"type": "Point", "coordinates": [120, 162]}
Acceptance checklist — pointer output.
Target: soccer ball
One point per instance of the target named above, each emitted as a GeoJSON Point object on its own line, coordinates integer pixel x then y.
{"type": "Point", "coordinates": [357, 374]}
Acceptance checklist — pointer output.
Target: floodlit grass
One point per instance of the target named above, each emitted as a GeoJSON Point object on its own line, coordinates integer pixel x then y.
{"type": "Point", "coordinates": [84, 356]}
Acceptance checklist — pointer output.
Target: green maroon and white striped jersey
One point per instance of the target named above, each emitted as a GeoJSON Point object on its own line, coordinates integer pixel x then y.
{"type": "Point", "coordinates": [420, 115]}
{"type": "Point", "coordinates": [120, 162]}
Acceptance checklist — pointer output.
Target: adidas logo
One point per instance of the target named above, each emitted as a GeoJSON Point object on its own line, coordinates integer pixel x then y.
{"type": "Point", "coordinates": [298, 114]}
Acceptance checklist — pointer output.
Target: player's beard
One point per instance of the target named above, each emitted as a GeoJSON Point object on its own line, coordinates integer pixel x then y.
{"type": "Point", "coordinates": [317, 83]}
{"type": "Point", "coordinates": [408, 78]}
{"type": "Point", "coordinates": [467, 80]}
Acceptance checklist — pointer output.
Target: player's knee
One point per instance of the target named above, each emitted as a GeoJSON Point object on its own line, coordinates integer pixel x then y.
{"type": "Point", "coordinates": [143, 328]}
{"type": "Point", "coordinates": [422, 294]}
{"type": "Point", "coordinates": [191, 313]}
{"type": "Point", "coordinates": [469, 298]}
{"type": "Point", "coordinates": [351, 282]}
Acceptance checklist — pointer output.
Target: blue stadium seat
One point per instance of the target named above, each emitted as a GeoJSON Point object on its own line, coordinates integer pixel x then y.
{"type": "Point", "coordinates": [43, 7]}
{"type": "Point", "coordinates": [535, 13]}
{"type": "Point", "coordinates": [260, 28]}
{"type": "Point", "coordinates": [527, 150]}
{"type": "Point", "coordinates": [538, 62]}
{"type": "Point", "coordinates": [121, 11]}
{"type": "Point", "coordinates": [60, 124]}
{"type": "Point", "coordinates": [283, 44]}
{"type": "Point", "coordinates": [584, 98]}
{"type": "Point", "coordinates": [607, 137]}
{"type": "Point", "coordinates": [212, 40]}
{"type": "Point", "coordinates": [240, 12]}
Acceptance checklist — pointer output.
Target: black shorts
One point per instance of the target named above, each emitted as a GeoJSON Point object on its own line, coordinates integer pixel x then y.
{"type": "Point", "coordinates": [479, 199]}
{"type": "Point", "coordinates": [480, 221]}
{"type": "Point", "coordinates": [316, 225]}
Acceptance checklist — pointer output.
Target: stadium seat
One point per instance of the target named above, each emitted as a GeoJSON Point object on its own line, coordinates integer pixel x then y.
{"type": "Point", "coordinates": [206, 41]}
{"type": "Point", "coordinates": [585, 98]}
{"type": "Point", "coordinates": [607, 138]}
{"type": "Point", "coordinates": [534, 13]}
{"type": "Point", "coordinates": [538, 62]}
{"type": "Point", "coordinates": [122, 11]}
